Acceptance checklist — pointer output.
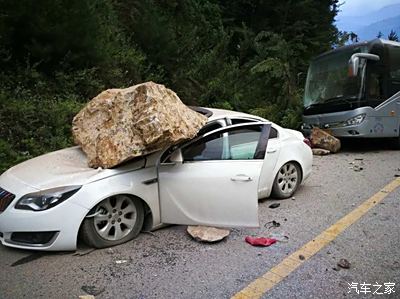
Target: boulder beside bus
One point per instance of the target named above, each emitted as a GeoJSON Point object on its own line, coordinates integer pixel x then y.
{"type": "Point", "coordinates": [120, 124]}
{"type": "Point", "coordinates": [321, 139]}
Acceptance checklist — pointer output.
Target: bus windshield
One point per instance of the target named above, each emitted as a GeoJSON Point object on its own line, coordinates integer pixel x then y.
{"type": "Point", "coordinates": [328, 81]}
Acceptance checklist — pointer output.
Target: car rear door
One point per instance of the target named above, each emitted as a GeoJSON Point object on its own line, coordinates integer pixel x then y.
{"type": "Point", "coordinates": [214, 180]}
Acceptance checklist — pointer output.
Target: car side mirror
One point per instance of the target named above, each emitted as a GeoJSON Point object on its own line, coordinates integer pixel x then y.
{"type": "Point", "coordinates": [354, 62]}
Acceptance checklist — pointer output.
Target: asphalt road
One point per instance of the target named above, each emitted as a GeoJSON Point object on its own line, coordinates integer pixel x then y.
{"type": "Point", "coordinates": [169, 264]}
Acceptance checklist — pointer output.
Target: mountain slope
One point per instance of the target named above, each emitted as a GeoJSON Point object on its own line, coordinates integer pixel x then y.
{"type": "Point", "coordinates": [385, 26]}
{"type": "Point", "coordinates": [356, 23]}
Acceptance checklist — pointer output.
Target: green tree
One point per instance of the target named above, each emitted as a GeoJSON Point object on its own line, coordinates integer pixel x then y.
{"type": "Point", "coordinates": [243, 55]}
{"type": "Point", "coordinates": [393, 36]}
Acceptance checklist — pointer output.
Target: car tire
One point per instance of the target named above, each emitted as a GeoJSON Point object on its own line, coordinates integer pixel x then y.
{"type": "Point", "coordinates": [113, 221]}
{"type": "Point", "coordinates": [287, 180]}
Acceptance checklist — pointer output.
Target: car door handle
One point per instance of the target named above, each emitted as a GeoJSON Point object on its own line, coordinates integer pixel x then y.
{"type": "Point", "coordinates": [271, 150]}
{"type": "Point", "coordinates": [241, 178]}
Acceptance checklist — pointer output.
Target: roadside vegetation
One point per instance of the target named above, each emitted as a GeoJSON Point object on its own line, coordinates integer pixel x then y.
{"type": "Point", "coordinates": [244, 55]}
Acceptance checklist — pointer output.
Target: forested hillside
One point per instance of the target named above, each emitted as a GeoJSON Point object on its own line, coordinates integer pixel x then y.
{"type": "Point", "coordinates": [244, 55]}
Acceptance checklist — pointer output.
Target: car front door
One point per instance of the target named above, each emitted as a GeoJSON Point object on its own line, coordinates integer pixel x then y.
{"type": "Point", "coordinates": [214, 179]}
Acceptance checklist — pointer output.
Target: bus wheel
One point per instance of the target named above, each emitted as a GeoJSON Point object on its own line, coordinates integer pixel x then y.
{"type": "Point", "coordinates": [396, 143]}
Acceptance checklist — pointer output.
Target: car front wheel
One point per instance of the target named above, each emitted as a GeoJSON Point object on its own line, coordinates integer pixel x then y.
{"type": "Point", "coordinates": [286, 181]}
{"type": "Point", "coordinates": [115, 220]}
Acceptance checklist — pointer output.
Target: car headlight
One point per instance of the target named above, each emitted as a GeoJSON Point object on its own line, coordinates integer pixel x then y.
{"type": "Point", "coordinates": [356, 120]}
{"type": "Point", "coordinates": [46, 199]}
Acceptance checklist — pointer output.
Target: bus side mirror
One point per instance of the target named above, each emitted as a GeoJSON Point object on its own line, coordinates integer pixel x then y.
{"type": "Point", "coordinates": [354, 62]}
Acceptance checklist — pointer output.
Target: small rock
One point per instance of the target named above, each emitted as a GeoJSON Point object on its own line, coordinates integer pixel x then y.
{"type": "Point", "coordinates": [92, 290]}
{"type": "Point", "coordinates": [274, 205]}
{"type": "Point", "coordinates": [293, 198]}
{"type": "Point", "coordinates": [121, 261]}
{"type": "Point", "coordinates": [110, 251]}
{"type": "Point", "coordinates": [301, 257]}
{"type": "Point", "coordinates": [343, 263]}
{"type": "Point", "coordinates": [320, 152]}
{"type": "Point", "coordinates": [84, 252]}
{"type": "Point", "coordinates": [274, 224]}
{"type": "Point", "coordinates": [207, 234]}
{"type": "Point", "coordinates": [86, 297]}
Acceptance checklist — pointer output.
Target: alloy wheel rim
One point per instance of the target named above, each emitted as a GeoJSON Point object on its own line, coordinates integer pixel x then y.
{"type": "Point", "coordinates": [287, 178]}
{"type": "Point", "coordinates": [116, 218]}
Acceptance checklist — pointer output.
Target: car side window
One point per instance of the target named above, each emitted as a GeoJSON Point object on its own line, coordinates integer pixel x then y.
{"type": "Point", "coordinates": [237, 121]}
{"type": "Point", "coordinates": [273, 133]}
{"type": "Point", "coordinates": [240, 143]}
{"type": "Point", "coordinates": [209, 127]}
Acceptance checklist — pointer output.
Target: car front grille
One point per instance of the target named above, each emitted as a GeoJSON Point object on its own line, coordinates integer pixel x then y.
{"type": "Point", "coordinates": [5, 199]}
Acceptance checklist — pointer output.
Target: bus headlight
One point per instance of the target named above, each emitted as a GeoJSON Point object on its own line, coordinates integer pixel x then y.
{"type": "Point", "coordinates": [306, 126]}
{"type": "Point", "coordinates": [356, 120]}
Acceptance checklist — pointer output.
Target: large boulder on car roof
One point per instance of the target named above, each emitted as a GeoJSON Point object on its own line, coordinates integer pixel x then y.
{"type": "Point", "coordinates": [322, 139]}
{"type": "Point", "coordinates": [120, 124]}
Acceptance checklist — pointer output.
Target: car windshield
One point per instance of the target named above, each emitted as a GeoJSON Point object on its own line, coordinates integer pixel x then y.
{"type": "Point", "coordinates": [328, 80]}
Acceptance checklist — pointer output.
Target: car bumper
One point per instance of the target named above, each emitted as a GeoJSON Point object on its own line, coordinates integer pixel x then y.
{"type": "Point", "coordinates": [51, 230]}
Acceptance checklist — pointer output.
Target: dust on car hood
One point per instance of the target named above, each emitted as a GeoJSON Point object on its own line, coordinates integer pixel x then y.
{"type": "Point", "coordinates": [65, 167]}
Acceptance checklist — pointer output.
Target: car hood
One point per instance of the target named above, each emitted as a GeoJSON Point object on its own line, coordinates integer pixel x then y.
{"type": "Point", "coordinates": [65, 167]}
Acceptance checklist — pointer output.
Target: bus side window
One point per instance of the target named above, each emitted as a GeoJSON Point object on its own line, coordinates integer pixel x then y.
{"type": "Point", "coordinates": [394, 64]}
{"type": "Point", "coordinates": [375, 90]}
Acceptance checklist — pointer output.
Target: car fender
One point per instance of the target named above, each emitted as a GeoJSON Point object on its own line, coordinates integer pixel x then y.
{"type": "Point", "coordinates": [140, 183]}
{"type": "Point", "coordinates": [298, 152]}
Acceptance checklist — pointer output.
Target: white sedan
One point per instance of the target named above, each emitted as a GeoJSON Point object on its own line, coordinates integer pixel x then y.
{"type": "Point", "coordinates": [214, 179]}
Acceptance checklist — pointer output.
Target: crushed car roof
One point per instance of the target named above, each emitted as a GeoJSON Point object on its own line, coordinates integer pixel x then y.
{"type": "Point", "coordinates": [213, 113]}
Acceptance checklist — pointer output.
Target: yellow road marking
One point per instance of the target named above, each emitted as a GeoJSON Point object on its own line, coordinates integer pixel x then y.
{"type": "Point", "coordinates": [271, 278]}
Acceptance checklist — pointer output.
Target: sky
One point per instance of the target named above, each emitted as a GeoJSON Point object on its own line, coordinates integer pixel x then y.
{"type": "Point", "coordinates": [362, 7]}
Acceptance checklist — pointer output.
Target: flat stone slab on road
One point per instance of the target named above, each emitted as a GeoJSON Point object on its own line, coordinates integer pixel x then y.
{"type": "Point", "coordinates": [207, 234]}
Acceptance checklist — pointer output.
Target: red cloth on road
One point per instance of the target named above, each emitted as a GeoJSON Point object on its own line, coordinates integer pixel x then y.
{"type": "Point", "coordinates": [260, 241]}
